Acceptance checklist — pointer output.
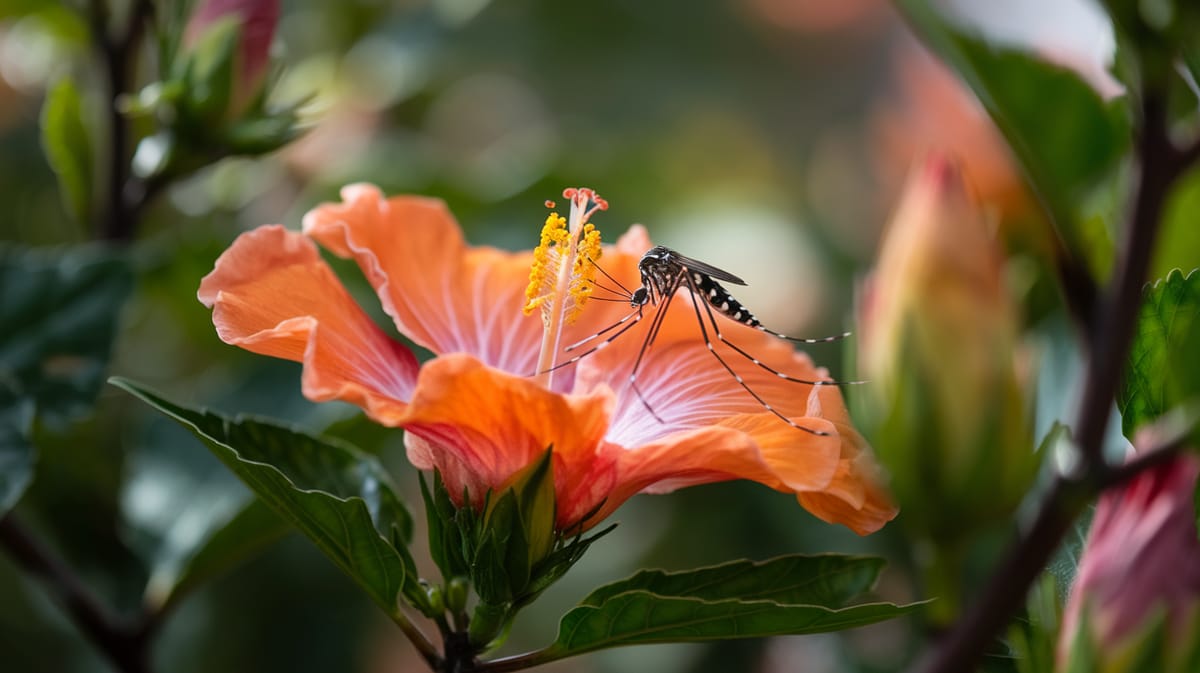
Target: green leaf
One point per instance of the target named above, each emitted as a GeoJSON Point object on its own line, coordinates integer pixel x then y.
{"type": "Point", "coordinates": [341, 498]}
{"type": "Point", "coordinates": [250, 530]}
{"type": "Point", "coordinates": [1178, 245]}
{"type": "Point", "coordinates": [16, 449]}
{"type": "Point", "coordinates": [1164, 359]}
{"type": "Point", "coordinates": [735, 600]}
{"type": "Point", "coordinates": [58, 317]}
{"type": "Point", "coordinates": [68, 147]}
{"type": "Point", "coordinates": [1065, 136]}
{"type": "Point", "coordinates": [831, 580]}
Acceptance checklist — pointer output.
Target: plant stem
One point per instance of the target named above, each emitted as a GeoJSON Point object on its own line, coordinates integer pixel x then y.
{"type": "Point", "coordinates": [1108, 338]}
{"type": "Point", "coordinates": [125, 644]}
{"type": "Point", "coordinates": [418, 639]}
{"type": "Point", "coordinates": [119, 220]}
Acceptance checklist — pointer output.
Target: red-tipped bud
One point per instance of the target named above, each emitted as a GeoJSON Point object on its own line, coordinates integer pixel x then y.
{"type": "Point", "coordinates": [1138, 583]}
{"type": "Point", "coordinates": [254, 22]}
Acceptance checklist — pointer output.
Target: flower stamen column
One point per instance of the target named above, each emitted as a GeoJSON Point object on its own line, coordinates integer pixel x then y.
{"type": "Point", "coordinates": [563, 273]}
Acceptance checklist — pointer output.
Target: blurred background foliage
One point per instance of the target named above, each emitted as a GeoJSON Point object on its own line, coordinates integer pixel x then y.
{"type": "Point", "coordinates": [769, 137]}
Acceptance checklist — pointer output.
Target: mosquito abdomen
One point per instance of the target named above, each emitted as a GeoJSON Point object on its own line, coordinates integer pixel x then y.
{"type": "Point", "coordinates": [720, 299]}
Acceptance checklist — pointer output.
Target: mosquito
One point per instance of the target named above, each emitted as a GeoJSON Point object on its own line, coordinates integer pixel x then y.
{"type": "Point", "coordinates": [663, 272]}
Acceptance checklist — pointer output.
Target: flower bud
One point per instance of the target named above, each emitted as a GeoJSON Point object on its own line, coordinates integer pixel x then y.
{"type": "Point", "coordinates": [938, 333]}
{"type": "Point", "coordinates": [226, 48]}
{"type": "Point", "coordinates": [1136, 595]}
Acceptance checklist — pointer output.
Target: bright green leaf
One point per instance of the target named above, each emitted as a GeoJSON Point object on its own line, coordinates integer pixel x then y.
{"type": "Point", "coordinates": [1066, 137]}
{"type": "Point", "coordinates": [58, 318]}
{"type": "Point", "coordinates": [735, 600]}
{"type": "Point", "coordinates": [1164, 359]}
{"type": "Point", "coordinates": [1178, 245]}
{"type": "Point", "coordinates": [341, 498]}
{"type": "Point", "coordinates": [68, 147]}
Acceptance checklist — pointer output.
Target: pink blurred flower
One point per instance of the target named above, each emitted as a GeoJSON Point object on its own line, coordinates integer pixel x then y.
{"type": "Point", "coordinates": [1141, 562]}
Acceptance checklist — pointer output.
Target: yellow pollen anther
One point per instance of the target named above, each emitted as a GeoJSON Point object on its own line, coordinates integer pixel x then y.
{"type": "Point", "coordinates": [563, 273]}
{"type": "Point", "coordinates": [544, 273]}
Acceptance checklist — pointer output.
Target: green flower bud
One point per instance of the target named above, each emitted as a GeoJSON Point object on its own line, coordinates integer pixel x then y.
{"type": "Point", "coordinates": [226, 51]}
{"type": "Point", "coordinates": [938, 341]}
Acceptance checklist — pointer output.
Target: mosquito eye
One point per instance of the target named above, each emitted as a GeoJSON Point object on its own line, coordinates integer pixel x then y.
{"type": "Point", "coordinates": [639, 297]}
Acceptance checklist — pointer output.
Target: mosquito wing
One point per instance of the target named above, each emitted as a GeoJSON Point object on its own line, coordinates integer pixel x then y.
{"type": "Point", "coordinates": [707, 269]}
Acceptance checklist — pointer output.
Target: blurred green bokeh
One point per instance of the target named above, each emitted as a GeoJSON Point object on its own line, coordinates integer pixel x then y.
{"type": "Point", "coordinates": [764, 136]}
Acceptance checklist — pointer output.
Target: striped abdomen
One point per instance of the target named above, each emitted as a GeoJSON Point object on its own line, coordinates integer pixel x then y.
{"type": "Point", "coordinates": [720, 299]}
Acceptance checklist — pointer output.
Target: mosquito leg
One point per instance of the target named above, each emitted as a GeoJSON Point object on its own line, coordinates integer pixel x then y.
{"type": "Point", "coordinates": [697, 299]}
{"type": "Point", "coordinates": [628, 292]}
{"type": "Point", "coordinates": [721, 337]}
{"type": "Point", "coordinates": [637, 317]}
{"type": "Point", "coordinates": [616, 296]}
{"type": "Point", "coordinates": [636, 312]}
{"type": "Point", "coordinates": [651, 335]}
{"type": "Point", "coordinates": [801, 340]}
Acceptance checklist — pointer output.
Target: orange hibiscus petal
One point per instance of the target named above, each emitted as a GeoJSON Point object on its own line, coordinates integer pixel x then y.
{"type": "Point", "coordinates": [479, 426]}
{"type": "Point", "coordinates": [442, 294]}
{"type": "Point", "coordinates": [272, 294]}
{"type": "Point", "coordinates": [854, 498]}
{"type": "Point", "coordinates": [687, 387]}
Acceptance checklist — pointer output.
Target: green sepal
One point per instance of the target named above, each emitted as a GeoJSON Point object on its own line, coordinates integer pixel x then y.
{"type": "Point", "coordinates": [489, 623]}
{"type": "Point", "coordinates": [210, 71]}
{"type": "Point", "coordinates": [457, 591]}
{"type": "Point", "coordinates": [517, 534]}
{"type": "Point", "coordinates": [445, 535]}
{"type": "Point", "coordinates": [558, 562]}
{"type": "Point", "coordinates": [491, 565]}
{"type": "Point", "coordinates": [537, 507]}
{"type": "Point", "coordinates": [262, 134]}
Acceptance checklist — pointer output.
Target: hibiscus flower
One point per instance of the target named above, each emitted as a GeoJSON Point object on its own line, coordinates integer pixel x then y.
{"type": "Point", "coordinates": [485, 407]}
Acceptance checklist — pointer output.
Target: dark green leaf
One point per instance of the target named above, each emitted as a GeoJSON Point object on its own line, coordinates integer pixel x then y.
{"type": "Point", "coordinates": [339, 497]}
{"type": "Point", "coordinates": [58, 317]}
{"type": "Point", "coordinates": [640, 618]}
{"type": "Point", "coordinates": [830, 580]}
{"type": "Point", "coordinates": [67, 146]}
{"type": "Point", "coordinates": [246, 533]}
{"type": "Point", "coordinates": [1065, 136]}
{"type": "Point", "coordinates": [1164, 359]}
{"type": "Point", "coordinates": [708, 604]}
{"type": "Point", "coordinates": [16, 449]}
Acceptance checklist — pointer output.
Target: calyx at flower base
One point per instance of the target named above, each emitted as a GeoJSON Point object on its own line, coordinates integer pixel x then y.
{"type": "Point", "coordinates": [509, 551]}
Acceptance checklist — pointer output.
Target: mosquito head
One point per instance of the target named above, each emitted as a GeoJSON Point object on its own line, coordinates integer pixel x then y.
{"type": "Point", "coordinates": [640, 297]}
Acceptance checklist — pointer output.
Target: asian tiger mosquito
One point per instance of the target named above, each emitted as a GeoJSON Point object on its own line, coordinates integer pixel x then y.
{"type": "Point", "coordinates": [663, 272]}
